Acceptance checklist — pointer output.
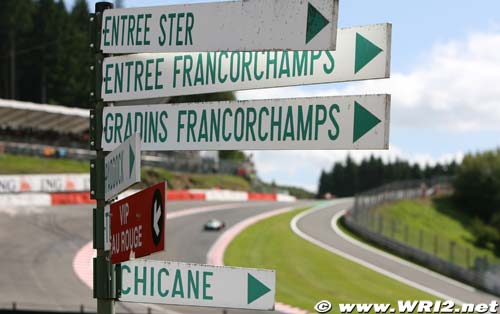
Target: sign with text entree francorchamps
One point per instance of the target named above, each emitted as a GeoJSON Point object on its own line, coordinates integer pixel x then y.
{"type": "Point", "coordinates": [338, 122]}
{"type": "Point", "coordinates": [163, 282]}
{"type": "Point", "coordinates": [222, 26]}
{"type": "Point", "coordinates": [362, 53]}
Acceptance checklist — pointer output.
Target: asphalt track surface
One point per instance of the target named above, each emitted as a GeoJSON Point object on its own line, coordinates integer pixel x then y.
{"type": "Point", "coordinates": [317, 224]}
{"type": "Point", "coordinates": [38, 246]}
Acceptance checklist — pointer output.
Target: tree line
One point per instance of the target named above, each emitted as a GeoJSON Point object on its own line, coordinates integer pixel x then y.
{"type": "Point", "coordinates": [477, 192]}
{"type": "Point", "coordinates": [349, 177]}
{"type": "Point", "coordinates": [44, 52]}
{"type": "Point", "coordinates": [476, 186]}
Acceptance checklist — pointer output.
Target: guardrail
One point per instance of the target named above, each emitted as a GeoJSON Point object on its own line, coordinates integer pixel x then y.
{"type": "Point", "coordinates": [461, 262]}
{"type": "Point", "coordinates": [27, 308]}
{"type": "Point", "coordinates": [194, 164]}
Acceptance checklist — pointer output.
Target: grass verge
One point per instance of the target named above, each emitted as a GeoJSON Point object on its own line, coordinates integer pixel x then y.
{"type": "Point", "coordinates": [436, 226]}
{"type": "Point", "coordinates": [16, 164]}
{"type": "Point", "coordinates": [307, 273]}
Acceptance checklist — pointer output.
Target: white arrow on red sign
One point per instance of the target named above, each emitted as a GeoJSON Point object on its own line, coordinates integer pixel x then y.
{"type": "Point", "coordinates": [138, 224]}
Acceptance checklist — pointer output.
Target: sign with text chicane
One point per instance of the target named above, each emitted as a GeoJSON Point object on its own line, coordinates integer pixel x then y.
{"type": "Point", "coordinates": [162, 282]}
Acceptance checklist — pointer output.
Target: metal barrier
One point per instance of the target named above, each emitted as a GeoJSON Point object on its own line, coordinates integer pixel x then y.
{"type": "Point", "coordinates": [461, 262]}
{"type": "Point", "coordinates": [180, 163]}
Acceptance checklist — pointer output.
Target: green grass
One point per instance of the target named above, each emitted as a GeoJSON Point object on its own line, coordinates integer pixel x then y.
{"type": "Point", "coordinates": [14, 164]}
{"type": "Point", "coordinates": [221, 180]}
{"type": "Point", "coordinates": [431, 224]}
{"type": "Point", "coordinates": [182, 180]}
{"type": "Point", "coordinates": [307, 273]}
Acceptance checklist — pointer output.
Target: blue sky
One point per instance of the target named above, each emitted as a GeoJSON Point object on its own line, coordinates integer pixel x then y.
{"type": "Point", "coordinates": [444, 77]}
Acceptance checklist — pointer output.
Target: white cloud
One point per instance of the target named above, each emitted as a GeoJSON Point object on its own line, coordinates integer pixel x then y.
{"type": "Point", "coordinates": [454, 89]}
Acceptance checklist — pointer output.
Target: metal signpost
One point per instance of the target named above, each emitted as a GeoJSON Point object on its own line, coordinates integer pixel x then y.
{"type": "Point", "coordinates": [206, 48]}
{"type": "Point", "coordinates": [137, 224]}
{"type": "Point", "coordinates": [163, 282]}
{"type": "Point", "coordinates": [104, 271]}
{"type": "Point", "coordinates": [122, 167]}
{"type": "Point", "coordinates": [344, 122]}
{"type": "Point", "coordinates": [217, 26]}
{"type": "Point", "coordinates": [362, 53]}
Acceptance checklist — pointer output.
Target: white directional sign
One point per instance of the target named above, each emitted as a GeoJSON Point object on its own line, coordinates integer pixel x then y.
{"type": "Point", "coordinates": [123, 166]}
{"type": "Point", "coordinates": [217, 26]}
{"type": "Point", "coordinates": [362, 53]}
{"type": "Point", "coordinates": [148, 281]}
{"type": "Point", "coordinates": [348, 122]}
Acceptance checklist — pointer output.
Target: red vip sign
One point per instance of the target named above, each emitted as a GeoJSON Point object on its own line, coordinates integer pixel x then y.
{"type": "Point", "coordinates": [138, 224]}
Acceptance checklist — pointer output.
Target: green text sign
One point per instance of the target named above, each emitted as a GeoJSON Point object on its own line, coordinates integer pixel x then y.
{"type": "Point", "coordinates": [162, 282]}
{"type": "Point", "coordinates": [123, 166]}
{"type": "Point", "coordinates": [222, 26]}
{"type": "Point", "coordinates": [362, 53]}
{"type": "Point", "coordinates": [348, 122]}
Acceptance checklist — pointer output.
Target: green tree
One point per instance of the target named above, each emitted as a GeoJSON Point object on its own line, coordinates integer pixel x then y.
{"type": "Point", "coordinates": [16, 25]}
{"type": "Point", "coordinates": [348, 178]}
{"type": "Point", "coordinates": [324, 184]}
{"type": "Point", "coordinates": [78, 57]}
{"type": "Point", "coordinates": [234, 155]}
{"type": "Point", "coordinates": [49, 62]}
{"type": "Point", "coordinates": [477, 184]}
{"type": "Point", "coordinates": [50, 47]}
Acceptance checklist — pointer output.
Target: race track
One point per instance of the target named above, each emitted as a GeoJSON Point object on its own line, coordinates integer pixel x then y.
{"type": "Point", "coordinates": [39, 245]}
{"type": "Point", "coordinates": [318, 226]}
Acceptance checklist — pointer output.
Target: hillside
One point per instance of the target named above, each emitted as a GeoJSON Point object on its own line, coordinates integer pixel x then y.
{"type": "Point", "coordinates": [14, 164]}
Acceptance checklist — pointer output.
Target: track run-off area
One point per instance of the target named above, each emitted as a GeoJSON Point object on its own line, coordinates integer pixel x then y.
{"type": "Point", "coordinates": [41, 245]}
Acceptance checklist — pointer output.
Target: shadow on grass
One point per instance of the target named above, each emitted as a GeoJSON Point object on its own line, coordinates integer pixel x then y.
{"type": "Point", "coordinates": [449, 206]}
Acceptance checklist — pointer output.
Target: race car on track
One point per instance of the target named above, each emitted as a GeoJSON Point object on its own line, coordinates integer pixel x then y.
{"type": "Point", "coordinates": [214, 224]}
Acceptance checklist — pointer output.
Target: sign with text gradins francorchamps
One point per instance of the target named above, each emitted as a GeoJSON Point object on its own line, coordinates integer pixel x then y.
{"type": "Point", "coordinates": [137, 224]}
{"type": "Point", "coordinates": [362, 53]}
{"type": "Point", "coordinates": [344, 122]}
{"type": "Point", "coordinates": [222, 26]}
{"type": "Point", "coordinates": [163, 282]}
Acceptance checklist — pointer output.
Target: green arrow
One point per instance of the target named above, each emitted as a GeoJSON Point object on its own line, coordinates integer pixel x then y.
{"type": "Point", "coordinates": [131, 159]}
{"type": "Point", "coordinates": [256, 289]}
{"type": "Point", "coordinates": [365, 52]}
{"type": "Point", "coordinates": [364, 121]}
{"type": "Point", "coordinates": [315, 22]}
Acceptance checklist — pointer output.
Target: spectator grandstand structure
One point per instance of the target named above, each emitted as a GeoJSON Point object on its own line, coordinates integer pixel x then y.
{"type": "Point", "coordinates": [56, 131]}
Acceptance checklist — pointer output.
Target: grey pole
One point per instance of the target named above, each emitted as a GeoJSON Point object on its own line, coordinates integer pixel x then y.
{"type": "Point", "coordinates": [104, 270]}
